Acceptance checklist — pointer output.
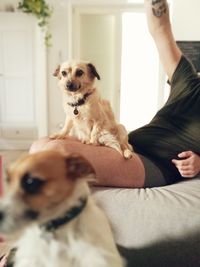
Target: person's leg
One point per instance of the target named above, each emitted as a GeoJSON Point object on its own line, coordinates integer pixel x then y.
{"type": "Point", "coordinates": [157, 12]}
{"type": "Point", "coordinates": [111, 168]}
{"type": "Point", "coordinates": [153, 175]}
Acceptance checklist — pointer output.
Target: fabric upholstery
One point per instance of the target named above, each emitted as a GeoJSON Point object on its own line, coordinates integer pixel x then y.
{"type": "Point", "coordinates": [158, 226]}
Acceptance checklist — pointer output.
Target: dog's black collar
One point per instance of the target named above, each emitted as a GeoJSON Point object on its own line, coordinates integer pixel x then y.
{"type": "Point", "coordinates": [80, 102]}
{"type": "Point", "coordinates": [67, 217]}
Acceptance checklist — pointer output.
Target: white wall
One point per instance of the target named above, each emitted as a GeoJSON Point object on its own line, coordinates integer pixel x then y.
{"type": "Point", "coordinates": [57, 53]}
{"type": "Point", "coordinates": [186, 20]}
{"type": "Point", "coordinates": [94, 30]}
{"type": "Point", "coordinates": [186, 25]}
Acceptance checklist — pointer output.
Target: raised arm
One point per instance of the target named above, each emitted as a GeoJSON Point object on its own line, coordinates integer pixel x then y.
{"type": "Point", "coordinates": [160, 28]}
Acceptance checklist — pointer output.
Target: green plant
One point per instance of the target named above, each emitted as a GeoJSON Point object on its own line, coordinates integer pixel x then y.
{"type": "Point", "coordinates": [42, 11]}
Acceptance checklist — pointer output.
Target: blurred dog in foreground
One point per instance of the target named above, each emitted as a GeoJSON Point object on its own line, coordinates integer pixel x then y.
{"type": "Point", "coordinates": [88, 117]}
{"type": "Point", "coordinates": [49, 207]}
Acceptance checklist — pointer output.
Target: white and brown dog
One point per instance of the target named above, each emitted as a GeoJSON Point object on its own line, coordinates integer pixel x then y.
{"type": "Point", "coordinates": [49, 205]}
{"type": "Point", "coordinates": [88, 117]}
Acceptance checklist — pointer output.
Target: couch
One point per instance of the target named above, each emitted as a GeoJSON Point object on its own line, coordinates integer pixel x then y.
{"type": "Point", "coordinates": [155, 227]}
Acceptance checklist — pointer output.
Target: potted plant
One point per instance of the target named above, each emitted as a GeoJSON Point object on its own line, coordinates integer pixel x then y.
{"type": "Point", "coordinates": [42, 11]}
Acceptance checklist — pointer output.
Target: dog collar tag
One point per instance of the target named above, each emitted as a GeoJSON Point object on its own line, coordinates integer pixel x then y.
{"type": "Point", "coordinates": [75, 111]}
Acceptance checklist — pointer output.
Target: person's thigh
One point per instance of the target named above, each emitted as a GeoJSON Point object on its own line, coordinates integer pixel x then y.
{"type": "Point", "coordinates": [153, 175]}
{"type": "Point", "coordinates": [110, 167]}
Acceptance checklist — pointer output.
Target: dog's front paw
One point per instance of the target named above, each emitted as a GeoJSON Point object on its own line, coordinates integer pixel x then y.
{"type": "Point", "coordinates": [57, 136]}
{"type": "Point", "coordinates": [127, 154]}
{"type": "Point", "coordinates": [94, 141]}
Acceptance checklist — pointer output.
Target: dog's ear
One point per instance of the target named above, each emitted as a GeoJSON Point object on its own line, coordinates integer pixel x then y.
{"type": "Point", "coordinates": [78, 167]}
{"type": "Point", "coordinates": [93, 71]}
{"type": "Point", "coordinates": [56, 72]}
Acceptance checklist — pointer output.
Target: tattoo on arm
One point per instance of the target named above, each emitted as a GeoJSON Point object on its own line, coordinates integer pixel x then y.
{"type": "Point", "coordinates": [159, 7]}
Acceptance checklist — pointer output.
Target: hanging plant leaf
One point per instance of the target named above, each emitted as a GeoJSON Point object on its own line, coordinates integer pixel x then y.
{"type": "Point", "coordinates": [42, 11]}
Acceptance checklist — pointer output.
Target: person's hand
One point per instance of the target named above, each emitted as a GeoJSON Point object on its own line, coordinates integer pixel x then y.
{"type": "Point", "coordinates": [188, 165]}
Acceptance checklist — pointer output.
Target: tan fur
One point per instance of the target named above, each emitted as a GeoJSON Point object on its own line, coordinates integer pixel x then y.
{"type": "Point", "coordinates": [65, 184]}
{"type": "Point", "coordinates": [95, 122]}
{"type": "Point", "coordinates": [58, 185]}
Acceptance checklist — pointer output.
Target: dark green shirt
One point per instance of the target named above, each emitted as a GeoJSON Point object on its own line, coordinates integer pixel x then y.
{"type": "Point", "coordinates": [176, 127]}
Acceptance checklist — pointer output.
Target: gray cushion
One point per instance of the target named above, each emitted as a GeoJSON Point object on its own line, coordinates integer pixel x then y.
{"type": "Point", "coordinates": [158, 226]}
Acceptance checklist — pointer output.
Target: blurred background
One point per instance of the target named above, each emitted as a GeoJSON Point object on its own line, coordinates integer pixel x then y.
{"type": "Point", "coordinates": [111, 34]}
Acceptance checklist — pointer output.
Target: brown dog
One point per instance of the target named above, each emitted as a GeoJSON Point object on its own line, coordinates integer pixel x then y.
{"type": "Point", "coordinates": [88, 117]}
{"type": "Point", "coordinates": [49, 204]}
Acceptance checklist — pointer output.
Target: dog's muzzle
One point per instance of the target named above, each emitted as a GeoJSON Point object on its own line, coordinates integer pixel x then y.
{"type": "Point", "coordinates": [72, 87]}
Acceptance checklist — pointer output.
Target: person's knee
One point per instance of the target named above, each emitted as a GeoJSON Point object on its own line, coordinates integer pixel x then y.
{"type": "Point", "coordinates": [38, 145]}
{"type": "Point", "coordinates": [62, 145]}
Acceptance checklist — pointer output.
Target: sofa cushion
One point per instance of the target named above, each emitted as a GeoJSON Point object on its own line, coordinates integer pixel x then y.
{"type": "Point", "coordinates": [155, 225]}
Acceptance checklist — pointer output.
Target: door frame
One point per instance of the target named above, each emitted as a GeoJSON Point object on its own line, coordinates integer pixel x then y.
{"type": "Point", "coordinates": [116, 10]}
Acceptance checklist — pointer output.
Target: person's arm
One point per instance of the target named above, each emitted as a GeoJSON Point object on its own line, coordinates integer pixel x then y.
{"type": "Point", "coordinates": [157, 12]}
{"type": "Point", "coordinates": [188, 165]}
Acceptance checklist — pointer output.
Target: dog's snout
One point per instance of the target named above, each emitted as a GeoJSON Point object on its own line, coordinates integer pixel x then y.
{"type": "Point", "coordinates": [71, 86]}
{"type": "Point", "coordinates": [2, 215]}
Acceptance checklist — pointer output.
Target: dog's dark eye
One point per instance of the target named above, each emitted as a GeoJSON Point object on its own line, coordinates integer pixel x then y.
{"type": "Point", "coordinates": [64, 73]}
{"type": "Point", "coordinates": [31, 185]}
{"type": "Point", "coordinates": [79, 73]}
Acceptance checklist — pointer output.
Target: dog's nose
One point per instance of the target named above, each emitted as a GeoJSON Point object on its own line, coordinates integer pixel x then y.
{"type": "Point", "coordinates": [2, 215]}
{"type": "Point", "coordinates": [71, 86]}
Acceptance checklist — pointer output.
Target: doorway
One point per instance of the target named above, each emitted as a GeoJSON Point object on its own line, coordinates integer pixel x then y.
{"type": "Point", "coordinates": [117, 41]}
